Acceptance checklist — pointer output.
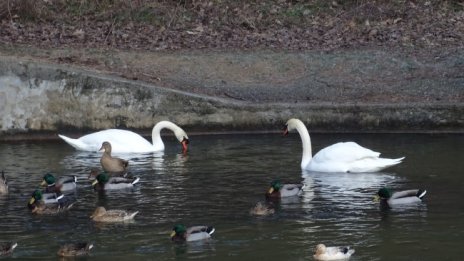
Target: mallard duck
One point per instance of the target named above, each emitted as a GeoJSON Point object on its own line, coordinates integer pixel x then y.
{"type": "Point", "coordinates": [391, 199]}
{"type": "Point", "coordinates": [94, 172]}
{"type": "Point", "coordinates": [6, 248]}
{"type": "Point", "coordinates": [40, 208]}
{"type": "Point", "coordinates": [261, 209]}
{"type": "Point", "coordinates": [110, 163]}
{"type": "Point", "coordinates": [46, 198]}
{"type": "Point", "coordinates": [332, 253]}
{"type": "Point", "coordinates": [75, 249]}
{"type": "Point", "coordinates": [3, 184]}
{"type": "Point", "coordinates": [279, 190]}
{"type": "Point", "coordinates": [114, 215]}
{"type": "Point", "coordinates": [65, 183]}
{"type": "Point", "coordinates": [180, 233]}
{"type": "Point", "coordinates": [104, 182]}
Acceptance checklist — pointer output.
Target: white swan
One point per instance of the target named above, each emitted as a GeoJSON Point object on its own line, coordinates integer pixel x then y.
{"type": "Point", "coordinates": [124, 141]}
{"type": "Point", "coordinates": [339, 157]}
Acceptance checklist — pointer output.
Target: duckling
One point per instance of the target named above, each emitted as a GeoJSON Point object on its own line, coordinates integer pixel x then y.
{"type": "Point", "coordinates": [3, 184]}
{"type": "Point", "coordinates": [279, 190]}
{"type": "Point", "coordinates": [181, 234]}
{"type": "Point", "coordinates": [66, 183]}
{"type": "Point", "coordinates": [261, 209]}
{"type": "Point", "coordinates": [406, 197]}
{"type": "Point", "coordinates": [6, 248]}
{"type": "Point", "coordinates": [46, 198]}
{"type": "Point", "coordinates": [109, 163]}
{"type": "Point", "coordinates": [104, 182]}
{"type": "Point", "coordinates": [39, 208]}
{"type": "Point", "coordinates": [332, 253]}
{"type": "Point", "coordinates": [114, 215]}
{"type": "Point", "coordinates": [75, 249]}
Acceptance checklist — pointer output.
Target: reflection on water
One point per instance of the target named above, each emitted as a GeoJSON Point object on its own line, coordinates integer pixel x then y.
{"type": "Point", "coordinates": [217, 183]}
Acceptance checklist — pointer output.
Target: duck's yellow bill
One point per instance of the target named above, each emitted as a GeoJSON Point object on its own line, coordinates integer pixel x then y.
{"type": "Point", "coordinates": [43, 183]}
{"type": "Point", "coordinates": [31, 201]}
{"type": "Point", "coordinates": [173, 233]}
{"type": "Point", "coordinates": [270, 190]}
{"type": "Point", "coordinates": [376, 198]}
{"type": "Point", "coordinates": [94, 183]}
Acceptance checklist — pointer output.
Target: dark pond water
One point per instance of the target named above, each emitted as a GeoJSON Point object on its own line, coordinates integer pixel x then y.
{"type": "Point", "coordinates": [222, 177]}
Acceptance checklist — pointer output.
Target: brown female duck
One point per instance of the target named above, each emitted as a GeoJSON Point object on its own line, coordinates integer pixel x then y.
{"type": "Point", "coordinates": [75, 249]}
{"type": "Point", "coordinates": [110, 163]}
{"type": "Point", "coordinates": [39, 208]}
{"type": "Point", "coordinates": [261, 209]}
{"type": "Point", "coordinates": [114, 215]}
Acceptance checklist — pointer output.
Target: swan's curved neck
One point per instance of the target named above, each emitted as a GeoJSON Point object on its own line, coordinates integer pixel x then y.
{"type": "Point", "coordinates": [306, 142]}
{"type": "Point", "coordinates": [156, 133]}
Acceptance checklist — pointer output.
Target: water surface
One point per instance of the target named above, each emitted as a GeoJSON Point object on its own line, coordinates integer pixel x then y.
{"type": "Point", "coordinates": [221, 178]}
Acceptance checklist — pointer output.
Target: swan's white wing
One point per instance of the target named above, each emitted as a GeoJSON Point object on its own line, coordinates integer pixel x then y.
{"type": "Point", "coordinates": [121, 141]}
{"type": "Point", "coordinates": [349, 157]}
{"type": "Point", "coordinates": [344, 152]}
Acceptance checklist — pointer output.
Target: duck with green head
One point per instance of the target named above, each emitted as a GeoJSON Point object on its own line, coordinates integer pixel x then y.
{"type": "Point", "coordinates": [407, 197]}
{"type": "Point", "coordinates": [104, 182]}
{"type": "Point", "coordinates": [180, 233]}
{"type": "Point", "coordinates": [46, 198]}
{"type": "Point", "coordinates": [279, 190]}
{"type": "Point", "coordinates": [66, 183]}
{"type": "Point", "coordinates": [94, 172]}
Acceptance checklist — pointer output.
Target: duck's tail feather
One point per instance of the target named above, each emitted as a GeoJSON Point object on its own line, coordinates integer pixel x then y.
{"type": "Point", "coordinates": [210, 230]}
{"type": "Point", "coordinates": [131, 216]}
{"type": "Point", "coordinates": [69, 206]}
{"type": "Point", "coordinates": [421, 193]}
{"type": "Point", "coordinates": [58, 197]}
{"type": "Point", "coordinates": [347, 250]}
{"type": "Point", "coordinates": [135, 181]}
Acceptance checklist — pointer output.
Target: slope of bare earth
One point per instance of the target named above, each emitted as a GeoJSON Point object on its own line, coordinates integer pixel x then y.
{"type": "Point", "coordinates": [404, 53]}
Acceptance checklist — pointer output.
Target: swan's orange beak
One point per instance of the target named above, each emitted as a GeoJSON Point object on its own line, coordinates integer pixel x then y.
{"type": "Point", "coordinates": [185, 143]}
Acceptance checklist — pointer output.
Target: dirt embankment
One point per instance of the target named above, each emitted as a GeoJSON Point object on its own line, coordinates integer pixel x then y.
{"type": "Point", "coordinates": [356, 65]}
